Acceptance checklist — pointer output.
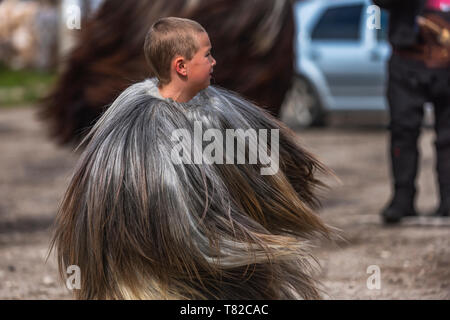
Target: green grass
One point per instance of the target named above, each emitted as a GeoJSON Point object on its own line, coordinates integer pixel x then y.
{"type": "Point", "coordinates": [21, 87]}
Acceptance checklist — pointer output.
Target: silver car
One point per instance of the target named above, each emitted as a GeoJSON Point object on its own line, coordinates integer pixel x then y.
{"type": "Point", "coordinates": [340, 61]}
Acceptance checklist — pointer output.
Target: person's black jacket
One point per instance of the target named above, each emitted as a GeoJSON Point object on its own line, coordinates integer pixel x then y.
{"type": "Point", "coordinates": [403, 31]}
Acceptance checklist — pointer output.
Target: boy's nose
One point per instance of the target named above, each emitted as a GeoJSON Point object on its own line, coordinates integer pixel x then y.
{"type": "Point", "coordinates": [213, 62]}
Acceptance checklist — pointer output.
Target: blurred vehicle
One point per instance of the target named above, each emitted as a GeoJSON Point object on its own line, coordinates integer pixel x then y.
{"type": "Point", "coordinates": [340, 61]}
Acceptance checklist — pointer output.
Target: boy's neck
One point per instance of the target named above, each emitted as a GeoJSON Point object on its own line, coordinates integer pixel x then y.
{"type": "Point", "coordinates": [176, 92]}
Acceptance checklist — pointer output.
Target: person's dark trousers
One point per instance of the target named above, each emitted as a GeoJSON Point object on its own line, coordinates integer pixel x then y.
{"type": "Point", "coordinates": [410, 85]}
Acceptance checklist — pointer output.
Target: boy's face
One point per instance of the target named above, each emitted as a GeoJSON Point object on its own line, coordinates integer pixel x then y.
{"type": "Point", "coordinates": [200, 67]}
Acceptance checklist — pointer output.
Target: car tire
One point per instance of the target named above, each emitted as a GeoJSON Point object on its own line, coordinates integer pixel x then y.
{"type": "Point", "coordinates": [301, 107]}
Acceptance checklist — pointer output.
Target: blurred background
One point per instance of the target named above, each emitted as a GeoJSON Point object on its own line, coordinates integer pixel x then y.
{"type": "Point", "coordinates": [314, 63]}
{"type": "Point", "coordinates": [33, 41]}
{"type": "Point", "coordinates": [339, 63]}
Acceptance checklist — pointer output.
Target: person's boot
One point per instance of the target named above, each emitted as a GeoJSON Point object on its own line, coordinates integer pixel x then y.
{"type": "Point", "coordinates": [444, 208]}
{"type": "Point", "coordinates": [444, 195]}
{"type": "Point", "coordinates": [404, 156]}
{"type": "Point", "coordinates": [442, 211]}
{"type": "Point", "coordinates": [401, 205]}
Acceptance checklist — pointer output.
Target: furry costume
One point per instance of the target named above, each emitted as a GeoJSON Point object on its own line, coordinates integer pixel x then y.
{"type": "Point", "coordinates": [140, 226]}
{"type": "Point", "coordinates": [253, 46]}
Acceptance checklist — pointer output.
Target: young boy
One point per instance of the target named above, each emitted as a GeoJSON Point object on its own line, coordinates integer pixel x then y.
{"type": "Point", "coordinates": [141, 224]}
{"type": "Point", "coordinates": [179, 54]}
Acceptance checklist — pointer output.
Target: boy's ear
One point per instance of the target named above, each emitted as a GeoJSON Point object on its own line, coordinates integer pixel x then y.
{"type": "Point", "coordinates": [180, 66]}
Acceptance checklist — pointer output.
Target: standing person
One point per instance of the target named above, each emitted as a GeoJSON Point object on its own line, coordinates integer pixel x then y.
{"type": "Point", "coordinates": [141, 224]}
{"type": "Point", "coordinates": [419, 72]}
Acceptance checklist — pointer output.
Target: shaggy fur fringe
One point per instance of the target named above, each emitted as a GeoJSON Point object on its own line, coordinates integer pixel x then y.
{"type": "Point", "coordinates": [141, 227]}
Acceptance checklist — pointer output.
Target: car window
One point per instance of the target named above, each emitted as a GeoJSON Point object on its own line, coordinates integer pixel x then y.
{"type": "Point", "coordinates": [382, 34]}
{"type": "Point", "coordinates": [339, 24]}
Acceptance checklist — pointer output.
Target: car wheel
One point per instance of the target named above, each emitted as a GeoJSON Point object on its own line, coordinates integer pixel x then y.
{"type": "Point", "coordinates": [301, 106]}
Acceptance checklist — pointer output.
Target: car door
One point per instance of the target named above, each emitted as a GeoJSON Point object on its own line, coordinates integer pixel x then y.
{"type": "Point", "coordinates": [341, 50]}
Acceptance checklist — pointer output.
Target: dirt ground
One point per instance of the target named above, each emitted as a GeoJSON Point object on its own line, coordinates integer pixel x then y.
{"type": "Point", "coordinates": [413, 259]}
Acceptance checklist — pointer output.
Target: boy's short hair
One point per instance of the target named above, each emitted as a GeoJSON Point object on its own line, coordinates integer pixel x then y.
{"type": "Point", "coordinates": [167, 38]}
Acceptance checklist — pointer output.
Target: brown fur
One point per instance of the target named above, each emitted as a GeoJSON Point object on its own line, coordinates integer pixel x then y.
{"type": "Point", "coordinates": [252, 43]}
